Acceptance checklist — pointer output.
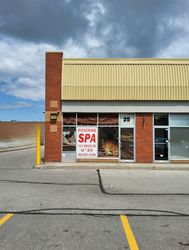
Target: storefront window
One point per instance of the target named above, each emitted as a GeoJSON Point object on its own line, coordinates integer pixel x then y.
{"type": "Point", "coordinates": [97, 135]}
{"type": "Point", "coordinates": [108, 142]}
{"type": "Point", "coordinates": [69, 119]}
{"type": "Point", "coordinates": [161, 119]}
{"type": "Point", "coordinates": [127, 144]}
{"type": "Point", "coordinates": [179, 143]}
{"type": "Point", "coordinates": [87, 119]}
{"type": "Point", "coordinates": [108, 119]}
{"type": "Point", "coordinates": [179, 120]}
{"type": "Point", "coordinates": [69, 139]}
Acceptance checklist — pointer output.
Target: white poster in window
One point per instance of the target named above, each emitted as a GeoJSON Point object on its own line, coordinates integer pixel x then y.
{"type": "Point", "coordinates": [86, 142]}
{"type": "Point", "coordinates": [127, 120]}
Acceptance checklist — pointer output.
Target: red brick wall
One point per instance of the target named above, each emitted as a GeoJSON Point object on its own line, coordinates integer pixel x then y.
{"type": "Point", "coordinates": [53, 143]}
{"type": "Point", "coordinates": [144, 138]}
{"type": "Point", "coordinates": [53, 79]}
{"type": "Point", "coordinates": [53, 140]}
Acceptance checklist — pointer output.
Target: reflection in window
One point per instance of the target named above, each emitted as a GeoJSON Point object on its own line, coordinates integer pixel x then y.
{"type": "Point", "coordinates": [69, 138]}
{"type": "Point", "coordinates": [179, 143]}
{"type": "Point", "coordinates": [108, 142]}
{"type": "Point", "coordinates": [127, 144]}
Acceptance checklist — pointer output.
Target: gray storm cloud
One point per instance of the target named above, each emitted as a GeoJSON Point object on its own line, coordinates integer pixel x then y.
{"type": "Point", "coordinates": [42, 20]}
{"type": "Point", "coordinates": [148, 26]}
{"type": "Point", "coordinates": [136, 28]}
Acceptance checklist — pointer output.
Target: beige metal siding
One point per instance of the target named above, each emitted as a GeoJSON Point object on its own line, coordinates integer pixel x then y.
{"type": "Point", "coordinates": [124, 79]}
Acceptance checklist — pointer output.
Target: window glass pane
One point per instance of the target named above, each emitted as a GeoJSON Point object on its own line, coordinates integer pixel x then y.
{"type": "Point", "coordinates": [179, 143]}
{"type": "Point", "coordinates": [127, 144]}
{"type": "Point", "coordinates": [179, 120]}
{"type": "Point", "coordinates": [161, 144]}
{"type": "Point", "coordinates": [69, 139]}
{"type": "Point", "coordinates": [161, 135]}
{"type": "Point", "coordinates": [108, 142]}
{"type": "Point", "coordinates": [161, 119]}
{"type": "Point", "coordinates": [161, 152]}
{"type": "Point", "coordinates": [108, 119]}
{"type": "Point", "coordinates": [69, 118]}
{"type": "Point", "coordinates": [87, 119]}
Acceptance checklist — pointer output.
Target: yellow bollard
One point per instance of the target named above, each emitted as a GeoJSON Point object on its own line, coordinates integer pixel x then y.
{"type": "Point", "coordinates": [38, 142]}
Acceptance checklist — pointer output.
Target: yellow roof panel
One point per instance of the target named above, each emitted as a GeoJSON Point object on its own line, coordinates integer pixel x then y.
{"type": "Point", "coordinates": [125, 79]}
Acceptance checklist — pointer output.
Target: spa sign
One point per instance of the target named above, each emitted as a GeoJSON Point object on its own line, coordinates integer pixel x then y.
{"type": "Point", "coordinates": [86, 142]}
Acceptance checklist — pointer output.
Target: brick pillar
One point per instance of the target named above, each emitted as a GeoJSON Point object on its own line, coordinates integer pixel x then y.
{"type": "Point", "coordinates": [144, 138]}
{"type": "Point", "coordinates": [53, 106]}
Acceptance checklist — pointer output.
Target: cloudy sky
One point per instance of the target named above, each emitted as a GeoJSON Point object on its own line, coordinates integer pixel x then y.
{"type": "Point", "coordinates": [80, 28]}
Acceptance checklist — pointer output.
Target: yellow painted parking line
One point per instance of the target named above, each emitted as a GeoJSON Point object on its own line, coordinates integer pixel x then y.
{"type": "Point", "coordinates": [5, 218]}
{"type": "Point", "coordinates": [129, 234]}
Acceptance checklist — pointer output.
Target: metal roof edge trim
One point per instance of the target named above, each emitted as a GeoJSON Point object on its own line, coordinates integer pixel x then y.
{"type": "Point", "coordinates": [128, 60]}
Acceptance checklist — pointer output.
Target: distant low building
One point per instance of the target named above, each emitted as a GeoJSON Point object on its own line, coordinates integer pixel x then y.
{"type": "Point", "coordinates": [15, 133]}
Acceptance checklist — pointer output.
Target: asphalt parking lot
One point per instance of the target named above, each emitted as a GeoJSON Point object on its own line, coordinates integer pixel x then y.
{"type": "Point", "coordinates": [80, 208]}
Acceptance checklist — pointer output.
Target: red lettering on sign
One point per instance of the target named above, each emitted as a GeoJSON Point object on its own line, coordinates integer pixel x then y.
{"type": "Point", "coordinates": [93, 138]}
{"type": "Point", "coordinates": [87, 138]}
{"type": "Point", "coordinates": [81, 137]}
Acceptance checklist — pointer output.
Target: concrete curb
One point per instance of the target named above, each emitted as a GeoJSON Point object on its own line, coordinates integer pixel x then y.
{"type": "Point", "coordinates": [112, 166]}
{"type": "Point", "coordinates": [16, 148]}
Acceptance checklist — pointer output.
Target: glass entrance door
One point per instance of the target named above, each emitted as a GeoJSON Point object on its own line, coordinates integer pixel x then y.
{"type": "Point", "coordinates": [127, 144]}
{"type": "Point", "coordinates": [161, 144]}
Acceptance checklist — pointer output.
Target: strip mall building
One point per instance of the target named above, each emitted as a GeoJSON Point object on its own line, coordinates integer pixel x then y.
{"type": "Point", "coordinates": [117, 110]}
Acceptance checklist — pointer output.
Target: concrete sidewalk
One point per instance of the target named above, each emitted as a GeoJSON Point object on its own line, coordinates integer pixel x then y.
{"type": "Point", "coordinates": [120, 182]}
{"type": "Point", "coordinates": [123, 166]}
{"type": "Point", "coordinates": [99, 165]}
